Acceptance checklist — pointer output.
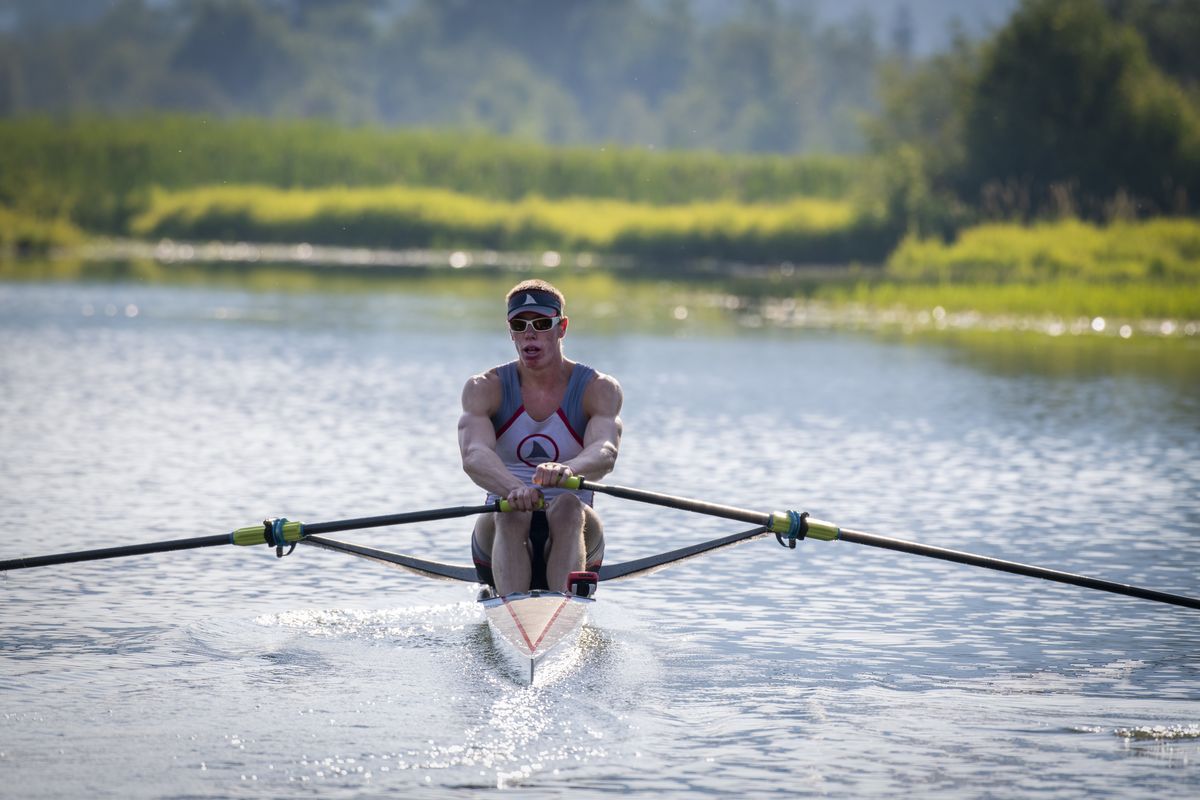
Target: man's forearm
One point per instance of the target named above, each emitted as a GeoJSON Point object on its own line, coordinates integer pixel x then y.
{"type": "Point", "coordinates": [594, 461]}
{"type": "Point", "coordinates": [486, 469]}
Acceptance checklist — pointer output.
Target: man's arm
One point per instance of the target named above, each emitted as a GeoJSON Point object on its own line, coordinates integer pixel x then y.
{"type": "Point", "coordinates": [601, 439]}
{"type": "Point", "coordinates": [477, 443]}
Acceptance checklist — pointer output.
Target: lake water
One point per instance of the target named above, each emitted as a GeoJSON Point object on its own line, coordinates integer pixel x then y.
{"type": "Point", "coordinates": [135, 412]}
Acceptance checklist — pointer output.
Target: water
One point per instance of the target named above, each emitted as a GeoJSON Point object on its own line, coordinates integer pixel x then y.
{"type": "Point", "coordinates": [133, 412]}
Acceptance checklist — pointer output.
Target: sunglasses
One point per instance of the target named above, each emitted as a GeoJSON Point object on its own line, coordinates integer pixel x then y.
{"type": "Point", "coordinates": [539, 324]}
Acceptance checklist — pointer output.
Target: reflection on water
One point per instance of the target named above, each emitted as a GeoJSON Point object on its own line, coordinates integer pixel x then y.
{"type": "Point", "coordinates": [831, 669]}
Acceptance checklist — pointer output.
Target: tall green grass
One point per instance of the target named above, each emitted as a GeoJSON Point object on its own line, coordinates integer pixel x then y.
{"type": "Point", "coordinates": [1064, 299]}
{"type": "Point", "coordinates": [1127, 270]}
{"type": "Point", "coordinates": [404, 217]}
{"type": "Point", "coordinates": [1157, 250]}
{"type": "Point", "coordinates": [98, 170]}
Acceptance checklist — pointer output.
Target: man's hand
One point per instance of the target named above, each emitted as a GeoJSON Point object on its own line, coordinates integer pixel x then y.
{"type": "Point", "coordinates": [551, 474]}
{"type": "Point", "coordinates": [526, 498]}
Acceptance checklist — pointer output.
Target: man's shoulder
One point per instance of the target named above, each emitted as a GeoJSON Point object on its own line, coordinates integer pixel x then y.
{"type": "Point", "coordinates": [482, 392]}
{"type": "Point", "coordinates": [489, 376]}
{"type": "Point", "coordinates": [605, 380]}
{"type": "Point", "coordinates": [603, 392]}
{"type": "Point", "coordinates": [492, 374]}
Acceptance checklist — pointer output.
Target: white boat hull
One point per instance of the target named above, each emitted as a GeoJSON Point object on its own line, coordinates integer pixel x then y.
{"type": "Point", "coordinates": [534, 622]}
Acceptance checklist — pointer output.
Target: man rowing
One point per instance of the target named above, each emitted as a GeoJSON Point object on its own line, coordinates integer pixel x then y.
{"type": "Point", "coordinates": [525, 427]}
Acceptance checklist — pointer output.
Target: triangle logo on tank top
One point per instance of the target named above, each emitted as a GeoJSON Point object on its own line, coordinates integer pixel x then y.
{"type": "Point", "coordinates": [533, 449]}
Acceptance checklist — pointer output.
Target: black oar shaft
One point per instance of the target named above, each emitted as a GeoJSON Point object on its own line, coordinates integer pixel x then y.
{"type": "Point", "coordinates": [681, 503]}
{"type": "Point", "coordinates": [114, 552]}
{"type": "Point", "coordinates": [251, 537]}
{"type": "Point", "coordinates": [317, 528]}
{"type": "Point", "coordinates": [1016, 568]}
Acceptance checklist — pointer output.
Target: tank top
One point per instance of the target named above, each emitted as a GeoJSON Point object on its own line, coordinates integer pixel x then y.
{"type": "Point", "coordinates": [523, 442]}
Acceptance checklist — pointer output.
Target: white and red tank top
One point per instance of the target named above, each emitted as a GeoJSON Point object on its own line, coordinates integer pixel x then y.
{"type": "Point", "coordinates": [523, 442]}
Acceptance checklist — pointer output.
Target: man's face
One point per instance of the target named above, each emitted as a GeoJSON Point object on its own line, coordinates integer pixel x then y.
{"type": "Point", "coordinates": [535, 347]}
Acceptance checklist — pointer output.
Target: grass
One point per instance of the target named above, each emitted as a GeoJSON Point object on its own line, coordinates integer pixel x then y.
{"type": "Point", "coordinates": [1165, 250]}
{"type": "Point", "coordinates": [802, 229]}
{"type": "Point", "coordinates": [97, 170]}
{"type": "Point", "coordinates": [1061, 298]}
{"type": "Point", "coordinates": [1127, 270]}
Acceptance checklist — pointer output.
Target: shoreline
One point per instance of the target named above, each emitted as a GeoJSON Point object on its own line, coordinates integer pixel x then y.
{"type": "Point", "coordinates": [780, 296]}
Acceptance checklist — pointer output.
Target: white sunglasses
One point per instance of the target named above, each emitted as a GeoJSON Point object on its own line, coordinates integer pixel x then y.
{"type": "Point", "coordinates": [538, 323]}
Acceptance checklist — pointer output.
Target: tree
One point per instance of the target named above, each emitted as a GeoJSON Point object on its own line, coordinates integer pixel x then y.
{"type": "Point", "coordinates": [1068, 112]}
{"type": "Point", "coordinates": [244, 50]}
{"type": "Point", "coordinates": [918, 140]}
{"type": "Point", "coordinates": [1171, 29]}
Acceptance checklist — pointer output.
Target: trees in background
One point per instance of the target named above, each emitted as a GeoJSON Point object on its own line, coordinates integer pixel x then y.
{"type": "Point", "coordinates": [1068, 114]}
{"type": "Point", "coordinates": [766, 79]}
{"type": "Point", "coordinates": [1064, 112]}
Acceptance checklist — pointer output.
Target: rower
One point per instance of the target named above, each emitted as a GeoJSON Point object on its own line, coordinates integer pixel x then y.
{"type": "Point", "coordinates": [527, 426]}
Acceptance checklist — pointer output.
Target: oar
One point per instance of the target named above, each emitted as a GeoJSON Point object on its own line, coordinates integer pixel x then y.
{"type": "Point", "coordinates": [791, 526]}
{"type": "Point", "coordinates": [278, 533]}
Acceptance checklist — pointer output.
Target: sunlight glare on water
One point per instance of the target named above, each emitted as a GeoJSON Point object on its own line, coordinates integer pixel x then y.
{"type": "Point", "coordinates": [832, 669]}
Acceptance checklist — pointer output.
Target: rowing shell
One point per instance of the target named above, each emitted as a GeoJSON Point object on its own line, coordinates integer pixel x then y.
{"type": "Point", "coordinates": [534, 622]}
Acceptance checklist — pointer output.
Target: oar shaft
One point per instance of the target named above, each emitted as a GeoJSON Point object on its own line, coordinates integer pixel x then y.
{"type": "Point", "coordinates": [114, 552]}
{"type": "Point", "coordinates": [251, 535]}
{"type": "Point", "coordinates": [1016, 568]}
{"type": "Point", "coordinates": [317, 528]}
{"type": "Point", "coordinates": [670, 501]}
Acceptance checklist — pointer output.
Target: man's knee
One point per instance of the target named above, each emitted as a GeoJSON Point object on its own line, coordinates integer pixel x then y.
{"type": "Point", "coordinates": [512, 524]}
{"type": "Point", "coordinates": [565, 507]}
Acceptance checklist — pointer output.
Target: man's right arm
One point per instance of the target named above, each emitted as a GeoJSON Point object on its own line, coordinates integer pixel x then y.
{"type": "Point", "coordinates": [477, 443]}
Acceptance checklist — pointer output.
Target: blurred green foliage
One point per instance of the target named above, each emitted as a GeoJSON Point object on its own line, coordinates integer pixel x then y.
{"type": "Point", "coordinates": [402, 217]}
{"type": "Point", "coordinates": [1125, 270]}
{"type": "Point", "coordinates": [1162, 250]}
{"type": "Point", "coordinates": [99, 171]}
{"type": "Point", "coordinates": [22, 234]}
{"type": "Point", "coordinates": [1065, 112]}
{"type": "Point", "coordinates": [1057, 299]}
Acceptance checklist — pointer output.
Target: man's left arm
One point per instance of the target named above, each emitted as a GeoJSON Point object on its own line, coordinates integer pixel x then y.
{"type": "Point", "coordinates": [601, 438]}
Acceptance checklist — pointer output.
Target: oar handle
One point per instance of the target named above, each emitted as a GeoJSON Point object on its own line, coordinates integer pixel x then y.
{"type": "Point", "coordinates": [504, 506]}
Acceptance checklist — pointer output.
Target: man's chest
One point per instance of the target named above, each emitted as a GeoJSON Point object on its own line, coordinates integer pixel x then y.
{"type": "Point", "coordinates": [540, 405]}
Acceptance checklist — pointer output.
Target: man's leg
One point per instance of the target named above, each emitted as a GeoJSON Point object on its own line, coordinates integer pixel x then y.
{"type": "Point", "coordinates": [510, 551]}
{"type": "Point", "coordinates": [575, 530]}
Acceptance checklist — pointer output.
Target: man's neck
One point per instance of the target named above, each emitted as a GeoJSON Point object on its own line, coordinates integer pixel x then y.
{"type": "Point", "coordinates": [547, 376]}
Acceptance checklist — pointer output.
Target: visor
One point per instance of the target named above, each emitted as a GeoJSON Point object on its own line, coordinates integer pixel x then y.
{"type": "Point", "coordinates": [534, 300]}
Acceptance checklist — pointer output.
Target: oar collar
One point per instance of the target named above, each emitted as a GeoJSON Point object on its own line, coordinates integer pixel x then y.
{"type": "Point", "coordinates": [797, 528]}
